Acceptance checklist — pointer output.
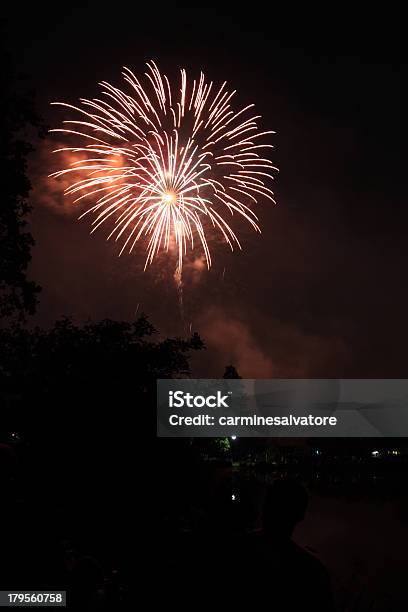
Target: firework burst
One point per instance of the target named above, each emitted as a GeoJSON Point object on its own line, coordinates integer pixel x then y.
{"type": "Point", "coordinates": [166, 165]}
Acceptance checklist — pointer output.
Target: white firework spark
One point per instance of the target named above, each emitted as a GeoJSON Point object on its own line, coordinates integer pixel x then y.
{"type": "Point", "coordinates": [161, 164]}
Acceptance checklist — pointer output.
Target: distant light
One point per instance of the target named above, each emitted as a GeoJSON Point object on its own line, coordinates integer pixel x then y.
{"type": "Point", "coordinates": [395, 452]}
{"type": "Point", "coordinates": [233, 497]}
{"type": "Point", "coordinates": [317, 452]}
{"type": "Point", "coordinates": [233, 437]}
{"type": "Point", "coordinates": [375, 453]}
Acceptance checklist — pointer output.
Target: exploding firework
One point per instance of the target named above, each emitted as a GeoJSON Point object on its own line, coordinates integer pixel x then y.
{"type": "Point", "coordinates": [167, 166]}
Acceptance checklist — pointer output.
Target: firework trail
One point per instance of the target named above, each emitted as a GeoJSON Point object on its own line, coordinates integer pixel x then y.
{"type": "Point", "coordinates": [170, 165]}
{"type": "Point", "coordinates": [179, 284]}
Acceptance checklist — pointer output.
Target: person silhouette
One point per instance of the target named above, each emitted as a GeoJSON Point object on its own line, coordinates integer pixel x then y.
{"type": "Point", "coordinates": [288, 575]}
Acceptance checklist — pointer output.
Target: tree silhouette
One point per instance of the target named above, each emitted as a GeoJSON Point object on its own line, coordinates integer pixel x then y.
{"type": "Point", "coordinates": [99, 362]}
{"type": "Point", "coordinates": [85, 409]}
{"type": "Point", "coordinates": [18, 295]}
{"type": "Point", "coordinates": [231, 372]}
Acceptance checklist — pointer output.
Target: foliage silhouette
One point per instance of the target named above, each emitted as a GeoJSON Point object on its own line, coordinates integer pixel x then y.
{"type": "Point", "coordinates": [89, 366]}
{"type": "Point", "coordinates": [18, 295]}
{"type": "Point", "coordinates": [231, 372]}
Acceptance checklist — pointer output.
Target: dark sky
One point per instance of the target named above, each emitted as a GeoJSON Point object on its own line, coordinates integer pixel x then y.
{"type": "Point", "coordinates": [323, 291]}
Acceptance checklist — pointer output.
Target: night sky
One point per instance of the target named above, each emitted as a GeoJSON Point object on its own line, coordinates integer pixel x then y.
{"type": "Point", "coordinates": [323, 291]}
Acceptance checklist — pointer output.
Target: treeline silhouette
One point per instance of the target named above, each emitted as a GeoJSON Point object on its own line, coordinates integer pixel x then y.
{"type": "Point", "coordinates": [78, 450]}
